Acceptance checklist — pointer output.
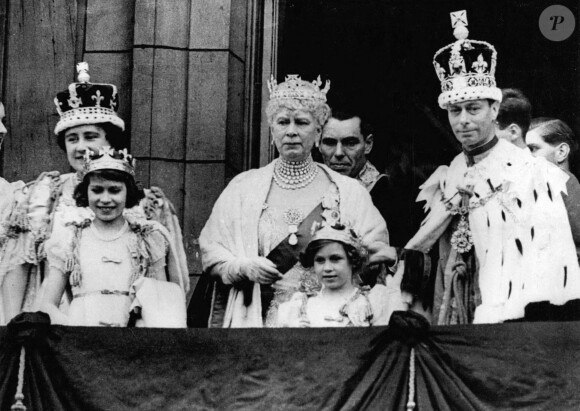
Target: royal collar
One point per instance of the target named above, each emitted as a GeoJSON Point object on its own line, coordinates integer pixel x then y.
{"type": "Point", "coordinates": [470, 154]}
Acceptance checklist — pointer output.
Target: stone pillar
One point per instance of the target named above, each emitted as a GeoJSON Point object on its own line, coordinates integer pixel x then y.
{"type": "Point", "coordinates": [187, 110]}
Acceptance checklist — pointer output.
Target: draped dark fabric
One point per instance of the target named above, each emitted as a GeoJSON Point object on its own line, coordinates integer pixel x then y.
{"type": "Point", "coordinates": [531, 366]}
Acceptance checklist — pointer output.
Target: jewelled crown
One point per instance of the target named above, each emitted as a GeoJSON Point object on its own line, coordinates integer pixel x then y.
{"type": "Point", "coordinates": [87, 103]}
{"type": "Point", "coordinates": [466, 68]}
{"type": "Point", "coordinates": [337, 232]}
{"type": "Point", "coordinates": [296, 88]}
{"type": "Point", "coordinates": [109, 159]}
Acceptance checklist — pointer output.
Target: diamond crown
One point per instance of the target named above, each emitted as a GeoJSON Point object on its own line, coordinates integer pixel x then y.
{"type": "Point", "coordinates": [466, 68]}
{"type": "Point", "coordinates": [109, 159]}
{"type": "Point", "coordinates": [296, 88]}
{"type": "Point", "coordinates": [465, 57]}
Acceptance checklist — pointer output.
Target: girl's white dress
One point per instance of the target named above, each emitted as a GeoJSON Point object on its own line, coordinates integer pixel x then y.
{"type": "Point", "coordinates": [363, 308]}
{"type": "Point", "coordinates": [107, 268]}
{"type": "Point", "coordinates": [40, 210]}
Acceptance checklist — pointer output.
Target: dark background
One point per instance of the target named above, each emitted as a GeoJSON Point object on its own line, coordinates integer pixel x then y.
{"type": "Point", "coordinates": [378, 55]}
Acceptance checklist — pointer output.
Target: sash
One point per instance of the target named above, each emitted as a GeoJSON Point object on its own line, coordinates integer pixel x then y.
{"type": "Point", "coordinates": [285, 256]}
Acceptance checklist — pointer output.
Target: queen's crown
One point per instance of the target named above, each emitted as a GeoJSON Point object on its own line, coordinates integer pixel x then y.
{"type": "Point", "coordinates": [87, 103]}
{"type": "Point", "coordinates": [296, 88]}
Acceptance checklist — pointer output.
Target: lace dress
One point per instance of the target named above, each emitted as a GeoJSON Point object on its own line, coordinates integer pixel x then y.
{"type": "Point", "coordinates": [362, 308]}
{"type": "Point", "coordinates": [108, 267]}
{"type": "Point", "coordinates": [41, 212]}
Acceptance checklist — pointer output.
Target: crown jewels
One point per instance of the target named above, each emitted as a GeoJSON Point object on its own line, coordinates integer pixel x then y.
{"type": "Point", "coordinates": [87, 103]}
{"type": "Point", "coordinates": [296, 88]}
{"type": "Point", "coordinates": [109, 159]}
{"type": "Point", "coordinates": [466, 68]}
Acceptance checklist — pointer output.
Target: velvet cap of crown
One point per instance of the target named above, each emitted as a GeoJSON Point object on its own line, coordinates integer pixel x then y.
{"type": "Point", "coordinates": [85, 103]}
{"type": "Point", "coordinates": [466, 68]}
{"type": "Point", "coordinates": [296, 88]}
{"type": "Point", "coordinates": [109, 159]}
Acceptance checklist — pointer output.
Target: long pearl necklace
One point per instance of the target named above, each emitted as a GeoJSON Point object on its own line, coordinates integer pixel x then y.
{"type": "Point", "coordinates": [292, 175]}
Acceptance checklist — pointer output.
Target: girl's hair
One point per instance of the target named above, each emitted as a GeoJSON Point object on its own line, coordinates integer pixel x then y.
{"type": "Point", "coordinates": [355, 257]}
{"type": "Point", "coordinates": [134, 192]}
{"type": "Point", "coordinates": [554, 132]}
{"type": "Point", "coordinates": [115, 136]}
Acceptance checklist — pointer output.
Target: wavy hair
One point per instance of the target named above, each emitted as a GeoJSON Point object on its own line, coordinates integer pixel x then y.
{"type": "Point", "coordinates": [319, 110]}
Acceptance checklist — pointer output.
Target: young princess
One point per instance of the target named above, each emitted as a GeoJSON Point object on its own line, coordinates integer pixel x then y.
{"type": "Point", "coordinates": [101, 256]}
{"type": "Point", "coordinates": [337, 256]}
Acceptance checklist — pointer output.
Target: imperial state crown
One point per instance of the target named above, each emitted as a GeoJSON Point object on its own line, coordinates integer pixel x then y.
{"type": "Point", "coordinates": [466, 68]}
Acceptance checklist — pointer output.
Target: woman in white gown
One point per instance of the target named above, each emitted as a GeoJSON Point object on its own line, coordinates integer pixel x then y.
{"type": "Point", "coordinates": [337, 256]}
{"type": "Point", "coordinates": [261, 221]}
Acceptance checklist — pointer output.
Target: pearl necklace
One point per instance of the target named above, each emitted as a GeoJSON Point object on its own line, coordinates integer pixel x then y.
{"type": "Point", "coordinates": [291, 175]}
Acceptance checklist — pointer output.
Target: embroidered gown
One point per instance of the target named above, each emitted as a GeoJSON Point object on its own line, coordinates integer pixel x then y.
{"type": "Point", "coordinates": [108, 267]}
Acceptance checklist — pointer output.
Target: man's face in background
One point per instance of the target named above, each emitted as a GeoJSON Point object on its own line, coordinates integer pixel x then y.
{"type": "Point", "coordinates": [343, 147]}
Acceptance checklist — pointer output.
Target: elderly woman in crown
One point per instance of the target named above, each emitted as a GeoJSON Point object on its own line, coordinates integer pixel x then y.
{"type": "Point", "coordinates": [263, 219]}
{"type": "Point", "coordinates": [44, 207]}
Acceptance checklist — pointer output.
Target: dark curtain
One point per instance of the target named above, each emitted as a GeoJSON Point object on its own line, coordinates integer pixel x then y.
{"type": "Point", "coordinates": [531, 366]}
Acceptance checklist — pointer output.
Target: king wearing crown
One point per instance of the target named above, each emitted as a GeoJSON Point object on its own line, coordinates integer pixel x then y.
{"type": "Point", "coordinates": [504, 238]}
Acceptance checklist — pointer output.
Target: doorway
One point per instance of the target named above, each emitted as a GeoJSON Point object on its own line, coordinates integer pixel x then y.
{"type": "Point", "coordinates": [378, 55]}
